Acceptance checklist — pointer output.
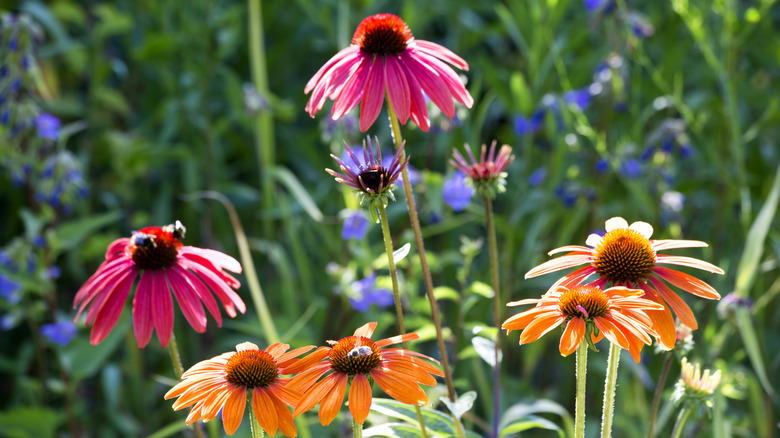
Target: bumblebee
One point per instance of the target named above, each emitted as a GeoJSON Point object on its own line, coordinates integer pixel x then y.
{"type": "Point", "coordinates": [176, 229]}
{"type": "Point", "coordinates": [359, 351]}
{"type": "Point", "coordinates": [143, 240]}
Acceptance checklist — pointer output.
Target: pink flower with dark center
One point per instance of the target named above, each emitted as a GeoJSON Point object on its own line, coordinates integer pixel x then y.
{"type": "Point", "coordinates": [385, 59]}
{"type": "Point", "coordinates": [489, 171]}
{"type": "Point", "coordinates": [157, 256]}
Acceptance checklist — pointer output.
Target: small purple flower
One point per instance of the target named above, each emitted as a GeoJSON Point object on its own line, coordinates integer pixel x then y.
{"type": "Point", "coordinates": [9, 290]}
{"type": "Point", "coordinates": [415, 176]}
{"type": "Point", "coordinates": [54, 273]}
{"type": "Point", "coordinates": [526, 126]}
{"type": "Point", "coordinates": [647, 153]}
{"type": "Point", "coordinates": [355, 225]}
{"type": "Point", "coordinates": [602, 165]}
{"type": "Point", "coordinates": [48, 126]}
{"type": "Point", "coordinates": [537, 176]}
{"type": "Point", "coordinates": [61, 332]}
{"type": "Point", "coordinates": [456, 192]}
{"type": "Point", "coordinates": [640, 25]}
{"type": "Point", "coordinates": [580, 98]}
{"type": "Point", "coordinates": [599, 5]}
{"type": "Point", "coordinates": [631, 168]}
{"type": "Point", "coordinates": [368, 294]}
{"type": "Point", "coordinates": [567, 194]}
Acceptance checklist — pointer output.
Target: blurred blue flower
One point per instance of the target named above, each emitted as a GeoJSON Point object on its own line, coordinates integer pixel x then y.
{"type": "Point", "coordinates": [61, 332]}
{"type": "Point", "coordinates": [647, 153]}
{"type": "Point", "coordinates": [54, 273]}
{"type": "Point", "coordinates": [367, 294]}
{"type": "Point", "coordinates": [602, 165]}
{"type": "Point", "coordinates": [8, 321]}
{"type": "Point", "coordinates": [686, 150]}
{"type": "Point", "coordinates": [631, 168]}
{"type": "Point", "coordinates": [415, 176]}
{"type": "Point", "coordinates": [9, 290]}
{"type": "Point", "coordinates": [355, 226]}
{"type": "Point", "coordinates": [456, 192]}
{"type": "Point", "coordinates": [48, 126]}
{"type": "Point", "coordinates": [567, 194]}
{"type": "Point", "coordinates": [599, 5]}
{"type": "Point", "coordinates": [525, 126]}
{"type": "Point", "coordinates": [640, 25]}
{"type": "Point", "coordinates": [4, 117]}
{"type": "Point", "coordinates": [580, 98]}
{"type": "Point", "coordinates": [537, 176]}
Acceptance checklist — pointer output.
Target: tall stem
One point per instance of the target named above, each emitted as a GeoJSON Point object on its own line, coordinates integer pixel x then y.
{"type": "Point", "coordinates": [254, 425]}
{"type": "Point", "coordinates": [357, 429]}
{"type": "Point", "coordinates": [394, 277]}
{"type": "Point", "coordinates": [491, 231]}
{"type": "Point", "coordinates": [609, 391]}
{"type": "Point", "coordinates": [415, 221]}
{"type": "Point", "coordinates": [263, 126]}
{"type": "Point", "coordinates": [579, 407]}
{"type": "Point", "coordinates": [679, 425]}
{"type": "Point", "coordinates": [178, 368]}
{"type": "Point", "coordinates": [658, 390]}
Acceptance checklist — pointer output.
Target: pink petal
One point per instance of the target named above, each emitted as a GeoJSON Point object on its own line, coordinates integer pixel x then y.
{"type": "Point", "coordinates": [142, 309]}
{"type": "Point", "coordinates": [575, 248]}
{"type": "Point", "coordinates": [688, 283]}
{"type": "Point", "coordinates": [188, 301]}
{"type": "Point", "coordinates": [688, 261]}
{"type": "Point", "coordinates": [95, 283]}
{"type": "Point", "coordinates": [117, 248]}
{"type": "Point", "coordinates": [563, 262]}
{"type": "Point", "coordinates": [227, 296]}
{"type": "Point", "coordinates": [325, 68]}
{"type": "Point", "coordinates": [419, 109]}
{"type": "Point", "coordinates": [450, 78]}
{"type": "Point", "coordinates": [203, 293]}
{"type": "Point", "coordinates": [109, 313]}
{"type": "Point", "coordinates": [431, 83]}
{"type": "Point", "coordinates": [353, 90]}
{"type": "Point", "coordinates": [397, 89]}
{"type": "Point", "coordinates": [219, 259]}
{"type": "Point", "coordinates": [331, 85]}
{"type": "Point", "coordinates": [107, 290]}
{"type": "Point", "coordinates": [442, 53]}
{"type": "Point", "coordinates": [162, 308]}
{"type": "Point", "coordinates": [373, 94]}
{"type": "Point", "coordinates": [206, 263]}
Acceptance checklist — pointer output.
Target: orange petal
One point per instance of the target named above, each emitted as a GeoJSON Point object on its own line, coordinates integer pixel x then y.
{"type": "Point", "coordinates": [284, 418]}
{"type": "Point", "coordinates": [563, 262]}
{"type": "Point", "coordinates": [397, 339]}
{"type": "Point", "coordinates": [331, 403]}
{"type": "Point", "coordinates": [277, 349]}
{"type": "Point", "coordinates": [360, 398]}
{"type": "Point", "coordinates": [314, 395]}
{"type": "Point", "coordinates": [366, 330]}
{"type": "Point", "coordinates": [285, 394]}
{"type": "Point", "coordinates": [306, 362]}
{"type": "Point", "coordinates": [292, 354]}
{"type": "Point", "coordinates": [687, 283]}
{"type": "Point", "coordinates": [233, 411]}
{"type": "Point", "coordinates": [412, 371]}
{"type": "Point", "coordinates": [303, 381]}
{"type": "Point", "coordinates": [540, 326]}
{"type": "Point", "coordinates": [663, 321]}
{"type": "Point", "coordinates": [611, 332]}
{"type": "Point", "coordinates": [265, 411]}
{"type": "Point", "coordinates": [690, 262]}
{"type": "Point", "coordinates": [677, 304]}
{"type": "Point", "coordinates": [572, 336]}
{"type": "Point", "coordinates": [403, 390]}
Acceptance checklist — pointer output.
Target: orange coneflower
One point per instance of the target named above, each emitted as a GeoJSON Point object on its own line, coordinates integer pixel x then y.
{"type": "Point", "coordinates": [223, 382]}
{"type": "Point", "coordinates": [398, 372]}
{"type": "Point", "coordinates": [625, 256]}
{"type": "Point", "coordinates": [618, 313]}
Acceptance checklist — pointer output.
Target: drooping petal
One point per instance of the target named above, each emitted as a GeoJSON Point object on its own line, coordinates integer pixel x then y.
{"type": "Point", "coordinates": [162, 308]}
{"type": "Point", "coordinates": [201, 291]}
{"type": "Point", "coordinates": [373, 94]}
{"type": "Point", "coordinates": [315, 394]}
{"type": "Point", "coordinates": [403, 390]}
{"type": "Point", "coordinates": [688, 261]}
{"type": "Point", "coordinates": [359, 398]}
{"type": "Point", "coordinates": [419, 109]}
{"type": "Point", "coordinates": [265, 411]}
{"type": "Point", "coordinates": [539, 327]}
{"type": "Point", "coordinates": [331, 403]}
{"type": "Point", "coordinates": [687, 282]}
{"type": "Point", "coordinates": [325, 68]}
{"type": "Point", "coordinates": [448, 76]}
{"type": "Point", "coordinates": [442, 53]}
{"type": "Point", "coordinates": [109, 313]}
{"type": "Point", "coordinates": [557, 264]}
{"type": "Point", "coordinates": [678, 305]}
{"type": "Point", "coordinates": [233, 411]}
{"type": "Point", "coordinates": [352, 92]}
{"type": "Point", "coordinates": [663, 321]}
{"type": "Point", "coordinates": [143, 324]}
{"type": "Point", "coordinates": [188, 301]}
{"type": "Point", "coordinates": [397, 89]}
{"type": "Point", "coordinates": [611, 332]}
{"type": "Point", "coordinates": [431, 84]}
{"type": "Point", "coordinates": [572, 336]}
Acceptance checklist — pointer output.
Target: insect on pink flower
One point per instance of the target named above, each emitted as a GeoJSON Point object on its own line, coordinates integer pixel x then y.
{"type": "Point", "coordinates": [385, 59]}
{"type": "Point", "coordinates": [164, 265]}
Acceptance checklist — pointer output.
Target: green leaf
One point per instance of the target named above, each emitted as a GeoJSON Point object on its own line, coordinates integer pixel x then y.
{"type": "Point", "coordinates": [753, 347]}
{"type": "Point", "coordinates": [485, 348]}
{"type": "Point", "coordinates": [530, 422]}
{"type": "Point", "coordinates": [756, 238]}
{"type": "Point", "coordinates": [172, 429]}
{"type": "Point", "coordinates": [524, 410]}
{"type": "Point", "coordinates": [393, 430]}
{"type": "Point", "coordinates": [481, 288]}
{"type": "Point", "coordinates": [68, 235]}
{"type": "Point", "coordinates": [464, 404]}
{"type": "Point", "coordinates": [435, 421]}
{"type": "Point", "coordinates": [284, 176]}
{"type": "Point", "coordinates": [401, 253]}
{"type": "Point", "coordinates": [83, 359]}
{"type": "Point", "coordinates": [29, 422]}
{"type": "Point", "coordinates": [445, 293]}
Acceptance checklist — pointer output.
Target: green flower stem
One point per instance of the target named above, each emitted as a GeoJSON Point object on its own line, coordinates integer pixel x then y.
{"type": "Point", "coordinates": [415, 221]}
{"type": "Point", "coordinates": [679, 425]}
{"type": "Point", "coordinates": [609, 391]}
{"type": "Point", "coordinates": [399, 313]}
{"type": "Point", "coordinates": [357, 429]}
{"type": "Point", "coordinates": [579, 407]}
{"type": "Point", "coordinates": [658, 390]}
{"type": "Point", "coordinates": [263, 125]}
{"type": "Point", "coordinates": [491, 231]}
{"type": "Point", "coordinates": [257, 431]}
{"type": "Point", "coordinates": [178, 368]}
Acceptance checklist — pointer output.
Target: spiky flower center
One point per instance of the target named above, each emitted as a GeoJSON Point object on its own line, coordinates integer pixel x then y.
{"type": "Point", "coordinates": [155, 247]}
{"type": "Point", "coordinates": [624, 256]}
{"type": "Point", "coordinates": [382, 34]}
{"type": "Point", "coordinates": [354, 355]}
{"type": "Point", "coordinates": [375, 178]}
{"type": "Point", "coordinates": [584, 302]}
{"type": "Point", "coordinates": [251, 369]}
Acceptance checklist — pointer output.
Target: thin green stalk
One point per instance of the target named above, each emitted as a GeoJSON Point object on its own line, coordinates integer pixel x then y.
{"type": "Point", "coordinates": [263, 126]}
{"type": "Point", "coordinates": [394, 277]}
{"type": "Point", "coordinates": [178, 368]}
{"type": "Point", "coordinates": [491, 231]}
{"type": "Point", "coordinates": [679, 425]}
{"type": "Point", "coordinates": [263, 314]}
{"type": "Point", "coordinates": [415, 221]}
{"type": "Point", "coordinates": [357, 429]}
{"type": "Point", "coordinates": [579, 406]}
{"type": "Point", "coordinates": [609, 391]}
{"type": "Point", "coordinates": [659, 387]}
{"type": "Point", "coordinates": [254, 425]}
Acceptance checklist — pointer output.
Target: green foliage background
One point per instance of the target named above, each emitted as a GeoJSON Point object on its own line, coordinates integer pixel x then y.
{"type": "Point", "coordinates": [151, 98]}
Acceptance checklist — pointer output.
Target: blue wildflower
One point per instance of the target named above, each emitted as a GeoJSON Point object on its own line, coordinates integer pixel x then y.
{"type": "Point", "coordinates": [602, 165]}
{"type": "Point", "coordinates": [647, 153]}
{"type": "Point", "coordinates": [355, 225]}
{"type": "Point", "coordinates": [456, 192]}
{"type": "Point", "coordinates": [415, 176]}
{"type": "Point", "coordinates": [53, 273]}
{"type": "Point", "coordinates": [631, 168]}
{"type": "Point", "coordinates": [367, 294]}
{"type": "Point", "coordinates": [9, 290]}
{"type": "Point", "coordinates": [640, 25]}
{"type": "Point", "coordinates": [537, 176]}
{"type": "Point", "coordinates": [593, 6]}
{"type": "Point", "coordinates": [525, 126]}
{"type": "Point", "coordinates": [567, 194]}
{"type": "Point", "coordinates": [580, 98]}
{"type": "Point", "coordinates": [61, 332]}
{"type": "Point", "coordinates": [48, 126]}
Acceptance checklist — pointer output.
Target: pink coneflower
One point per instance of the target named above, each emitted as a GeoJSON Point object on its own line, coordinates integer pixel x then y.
{"type": "Point", "coordinates": [164, 265]}
{"type": "Point", "coordinates": [625, 256]}
{"type": "Point", "coordinates": [384, 58]}
{"type": "Point", "coordinates": [487, 173]}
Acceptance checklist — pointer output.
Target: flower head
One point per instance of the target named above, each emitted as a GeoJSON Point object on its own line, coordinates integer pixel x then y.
{"type": "Point", "coordinates": [385, 59]}
{"type": "Point", "coordinates": [355, 225]}
{"type": "Point", "coordinates": [61, 332]}
{"type": "Point", "coordinates": [366, 294]}
{"type": "Point", "coordinates": [456, 192]}
{"type": "Point", "coordinates": [48, 126]}
{"type": "Point", "coordinates": [371, 179]}
{"type": "Point", "coordinates": [626, 256]}
{"type": "Point", "coordinates": [489, 173]}
{"type": "Point", "coordinates": [164, 265]}
{"type": "Point", "coordinates": [223, 382]}
{"type": "Point", "coordinates": [357, 358]}
{"type": "Point", "coordinates": [617, 313]}
{"type": "Point", "coordinates": [695, 387]}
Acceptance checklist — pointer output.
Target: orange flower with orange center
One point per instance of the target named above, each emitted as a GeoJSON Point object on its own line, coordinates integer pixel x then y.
{"type": "Point", "coordinates": [223, 382]}
{"type": "Point", "coordinates": [361, 360]}
{"type": "Point", "coordinates": [618, 313]}
{"type": "Point", "coordinates": [626, 256]}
